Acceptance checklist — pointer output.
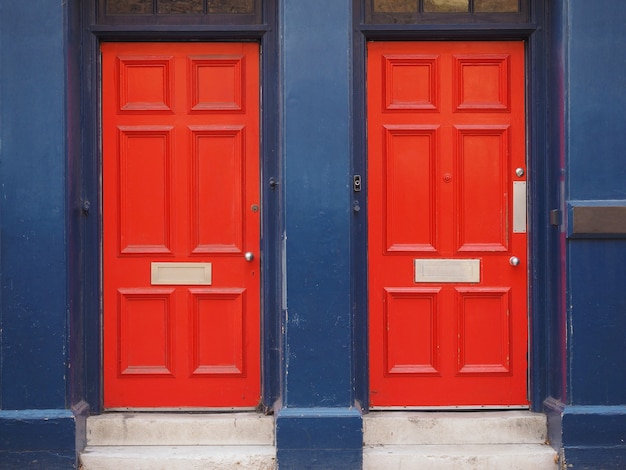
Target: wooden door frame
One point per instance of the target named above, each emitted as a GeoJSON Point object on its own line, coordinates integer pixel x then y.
{"type": "Point", "coordinates": [85, 189]}
{"type": "Point", "coordinates": [543, 194]}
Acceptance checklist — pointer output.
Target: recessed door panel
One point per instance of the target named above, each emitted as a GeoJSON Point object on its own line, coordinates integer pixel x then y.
{"type": "Point", "coordinates": [180, 176]}
{"type": "Point", "coordinates": [447, 255]}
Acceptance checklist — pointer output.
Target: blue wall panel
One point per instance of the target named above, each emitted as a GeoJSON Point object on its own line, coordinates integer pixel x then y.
{"type": "Point", "coordinates": [597, 100]}
{"type": "Point", "coordinates": [593, 434]}
{"type": "Point", "coordinates": [32, 177]}
{"type": "Point", "coordinates": [597, 170]}
{"type": "Point", "coordinates": [316, 148]}
{"type": "Point", "coordinates": [598, 324]}
{"type": "Point", "coordinates": [317, 428]}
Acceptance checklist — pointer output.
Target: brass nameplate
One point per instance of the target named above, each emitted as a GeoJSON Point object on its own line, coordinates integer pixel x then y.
{"type": "Point", "coordinates": [196, 274]}
{"type": "Point", "coordinates": [447, 270]}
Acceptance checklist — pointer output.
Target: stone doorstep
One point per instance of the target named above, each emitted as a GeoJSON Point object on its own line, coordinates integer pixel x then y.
{"type": "Point", "coordinates": [456, 427]}
{"type": "Point", "coordinates": [460, 457]}
{"type": "Point", "coordinates": [179, 429]}
{"type": "Point", "coordinates": [468, 440]}
{"type": "Point", "coordinates": [178, 457]}
{"type": "Point", "coordinates": [458, 440]}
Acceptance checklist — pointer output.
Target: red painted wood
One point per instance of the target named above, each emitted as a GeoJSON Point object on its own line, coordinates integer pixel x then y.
{"type": "Point", "coordinates": [445, 135]}
{"type": "Point", "coordinates": [180, 169]}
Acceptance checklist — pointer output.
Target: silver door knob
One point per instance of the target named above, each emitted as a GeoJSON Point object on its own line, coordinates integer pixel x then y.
{"type": "Point", "coordinates": [513, 260]}
{"type": "Point", "coordinates": [249, 256]}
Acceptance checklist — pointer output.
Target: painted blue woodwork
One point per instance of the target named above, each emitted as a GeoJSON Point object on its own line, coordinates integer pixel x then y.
{"type": "Point", "coordinates": [317, 428]}
{"type": "Point", "coordinates": [316, 150]}
{"type": "Point", "coordinates": [35, 429]}
{"type": "Point", "coordinates": [595, 141]}
{"type": "Point", "coordinates": [597, 76]}
{"type": "Point", "coordinates": [32, 247]}
{"type": "Point", "coordinates": [594, 437]}
{"type": "Point", "coordinates": [319, 438]}
{"type": "Point", "coordinates": [597, 322]}
{"type": "Point", "coordinates": [594, 420]}
{"type": "Point", "coordinates": [37, 439]}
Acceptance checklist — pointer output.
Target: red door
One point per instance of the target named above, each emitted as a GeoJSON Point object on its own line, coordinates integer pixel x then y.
{"type": "Point", "coordinates": [447, 224]}
{"type": "Point", "coordinates": [180, 125]}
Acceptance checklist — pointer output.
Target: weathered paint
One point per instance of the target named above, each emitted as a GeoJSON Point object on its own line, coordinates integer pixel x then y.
{"type": "Point", "coordinates": [317, 343]}
{"type": "Point", "coordinates": [594, 420]}
{"type": "Point", "coordinates": [36, 430]}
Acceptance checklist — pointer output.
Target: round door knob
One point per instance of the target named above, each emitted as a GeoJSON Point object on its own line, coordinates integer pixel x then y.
{"type": "Point", "coordinates": [514, 260]}
{"type": "Point", "coordinates": [249, 256]}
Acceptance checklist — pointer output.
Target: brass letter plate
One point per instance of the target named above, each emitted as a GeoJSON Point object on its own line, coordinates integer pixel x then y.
{"type": "Point", "coordinates": [519, 207]}
{"type": "Point", "coordinates": [447, 270]}
{"type": "Point", "coordinates": [196, 274]}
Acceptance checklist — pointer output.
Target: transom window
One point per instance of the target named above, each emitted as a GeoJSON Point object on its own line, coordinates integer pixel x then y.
{"type": "Point", "coordinates": [179, 12]}
{"type": "Point", "coordinates": [446, 11]}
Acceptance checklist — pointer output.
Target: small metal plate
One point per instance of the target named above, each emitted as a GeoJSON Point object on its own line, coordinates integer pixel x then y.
{"type": "Point", "coordinates": [447, 270]}
{"type": "Point", "coordinates": [519, 207]}
{"type": "Point", "coordinates": [195, 274]}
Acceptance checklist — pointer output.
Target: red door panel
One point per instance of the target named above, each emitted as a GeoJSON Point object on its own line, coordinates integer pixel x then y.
{"type": "Point", "coordinates": [180, 183]}
{"type": "Point", "coordinates": [448, 316]}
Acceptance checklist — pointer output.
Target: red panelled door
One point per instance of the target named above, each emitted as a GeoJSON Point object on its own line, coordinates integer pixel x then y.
{"type": "Point", "coordinates": [447, 224]}
{"type": "Point", "coordinates": [180, 127]}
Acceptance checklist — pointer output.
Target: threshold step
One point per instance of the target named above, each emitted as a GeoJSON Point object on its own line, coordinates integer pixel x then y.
{"type": "Point", "coordinates": [178, 458]}
{"type": "Point", "coordinates": [454, 427]}
{"type": "Point", "coordinates": [460, 457]}
{"type": "Point", "coordinates": [180, 429]}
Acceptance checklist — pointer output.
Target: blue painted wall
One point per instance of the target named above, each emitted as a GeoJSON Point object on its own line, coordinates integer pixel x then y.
{"type": "Point", "coordinates": [32, 178]}
{"type": "Point", "coordinates": [317, 426]}
{"type": "Point", "coordinates": [37, 431]}
{"type": "Point", "coordinates": [596, 169]}
{"type": "Point", "coordinates": [595, 139]}
{"type": "Point", "coordinates": [316, 154]}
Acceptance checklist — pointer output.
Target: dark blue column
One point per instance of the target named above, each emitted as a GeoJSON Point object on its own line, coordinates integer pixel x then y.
{"type": "Point", "coordinates": [36, 430]}
{"type": "Point", "coordinates": [594, 420]}
{"type": "Point", "coordinates": [317, 426]}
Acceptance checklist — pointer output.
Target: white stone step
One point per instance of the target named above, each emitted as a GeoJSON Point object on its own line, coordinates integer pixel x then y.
{"type": "Point", "coordinates": [172, 441]}
{"type": "Point", "coordinates": [462, 427]}
{"type": "Point", "coordinates": [174, 429]}
{"type": "Point", "coordinates": [460, 457]}
{"type": "Point", "coordinates": [178, 458]}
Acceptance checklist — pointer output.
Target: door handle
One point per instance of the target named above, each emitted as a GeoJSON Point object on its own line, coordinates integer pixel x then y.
{"type": "Point", "coordinates": [249, 256]}
{"type": "Point", "coordinates": [514, 261]}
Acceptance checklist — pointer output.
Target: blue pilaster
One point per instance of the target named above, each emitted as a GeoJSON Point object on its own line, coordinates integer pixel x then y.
{"type": "Point", "coordinates": [317, 426]}
{"type": "Point", "coordinates": [594, 420]}
{"type": "Point", "coordinates": [36, 430]}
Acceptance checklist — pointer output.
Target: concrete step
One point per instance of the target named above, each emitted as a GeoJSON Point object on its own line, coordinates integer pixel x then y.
{"type": "Point", "coordinates": [178, 457]}
{"type": "Point", "coordinates": [460, 457]}
{"type": "Point", "coordinates": [464, 440]}
{"type": "Point", "coordinates": [456, 427]}
{"type": "Point", "coordinates": [174, 429]}
{"type": "Point", "coordinates": [171, 441]}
